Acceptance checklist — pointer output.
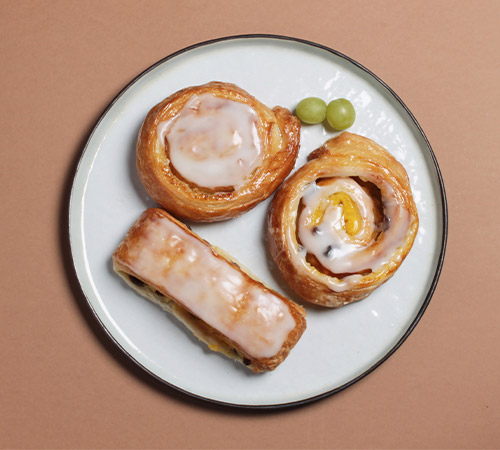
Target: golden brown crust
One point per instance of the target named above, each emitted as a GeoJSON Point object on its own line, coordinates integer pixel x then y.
{"type": "Point", "coordinates": [213, 338]}
{"type": "Point", "coordinates": [366, 159]}
{"type": "Point", "coordinates": [279, 131]}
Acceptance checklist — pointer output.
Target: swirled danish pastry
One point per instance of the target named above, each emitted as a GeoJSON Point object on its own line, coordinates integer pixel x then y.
{"type": "Point", "coordinates": [342, 224]}
{"type": "Point", "coordinates": [221, 304]}
{"type": "Point", "coordinates": [212, 152]}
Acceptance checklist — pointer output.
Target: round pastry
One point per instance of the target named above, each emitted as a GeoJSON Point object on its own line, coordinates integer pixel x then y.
{"type": "Point", "coordinates": [343, 223]}
{"type": "Point", "coordinates": [212, 152]}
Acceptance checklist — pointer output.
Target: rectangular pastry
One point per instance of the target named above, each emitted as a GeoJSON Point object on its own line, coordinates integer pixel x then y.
{"type": "Point", "coordinates": [224, 306]}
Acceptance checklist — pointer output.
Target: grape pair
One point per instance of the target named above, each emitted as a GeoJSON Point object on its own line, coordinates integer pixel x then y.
{"type": "Point", "coordinates": [339, 113]}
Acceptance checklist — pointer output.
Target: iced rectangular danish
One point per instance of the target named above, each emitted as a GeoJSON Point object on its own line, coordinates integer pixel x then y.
{"type": "Point", "coordinates": [224, 306]}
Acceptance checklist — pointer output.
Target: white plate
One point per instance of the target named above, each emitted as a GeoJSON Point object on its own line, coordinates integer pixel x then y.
{"type": "Point", "coordinates": [339, 346]}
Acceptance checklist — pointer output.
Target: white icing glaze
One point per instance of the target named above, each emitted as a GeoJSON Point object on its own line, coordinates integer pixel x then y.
{"type": "Point", "coordinates": [210, 287]}
{"type": "Point", "coordinates": [213, 141]}
{"type": "Point", "coordinates": [334, 248]}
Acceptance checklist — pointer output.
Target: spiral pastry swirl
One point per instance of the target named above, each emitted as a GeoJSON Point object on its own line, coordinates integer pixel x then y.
{"type": "Point", "coordinates": [211, 152]}
{"type": "Point", "coordinates": [342, 224]}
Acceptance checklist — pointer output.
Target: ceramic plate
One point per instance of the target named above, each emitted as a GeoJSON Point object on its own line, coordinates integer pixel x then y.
{"type": "Point", "coordinates": [340, 346]}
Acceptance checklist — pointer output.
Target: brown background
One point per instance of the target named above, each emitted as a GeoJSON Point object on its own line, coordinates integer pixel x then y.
{"type": "Point", "coordinates": [64, 385]}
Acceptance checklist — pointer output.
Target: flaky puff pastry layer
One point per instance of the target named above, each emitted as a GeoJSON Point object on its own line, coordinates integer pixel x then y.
{"type": "Point", "coordinates": [219, 301]}
{"type": "Point", "coordinates": [279, 133]}
{"type": "Point", "coordinates": [349, 158]}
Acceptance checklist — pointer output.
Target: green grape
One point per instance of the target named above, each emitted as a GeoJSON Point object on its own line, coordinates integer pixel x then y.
{"type": "Point", "coordinates": [340, 114]}
{"type": "Point", "coordinates": [311, 110]}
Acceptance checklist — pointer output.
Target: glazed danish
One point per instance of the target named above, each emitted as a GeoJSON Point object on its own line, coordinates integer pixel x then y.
{"type": "Point", "coordinates": [222, 305]}
{"type": "Point", "coordinates": [212, 152]}
{"type": "Point", "coordinates": [342, 224]}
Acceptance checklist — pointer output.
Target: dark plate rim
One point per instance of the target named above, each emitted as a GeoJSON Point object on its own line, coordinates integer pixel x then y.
{"type": "Point", "coordinates": [443, 238]}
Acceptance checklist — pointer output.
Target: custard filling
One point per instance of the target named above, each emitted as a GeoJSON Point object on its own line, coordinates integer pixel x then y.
{"type": "Point", "coordinates": [350, 216]}
{"type": "Point", "coordinates": [337, 219]}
